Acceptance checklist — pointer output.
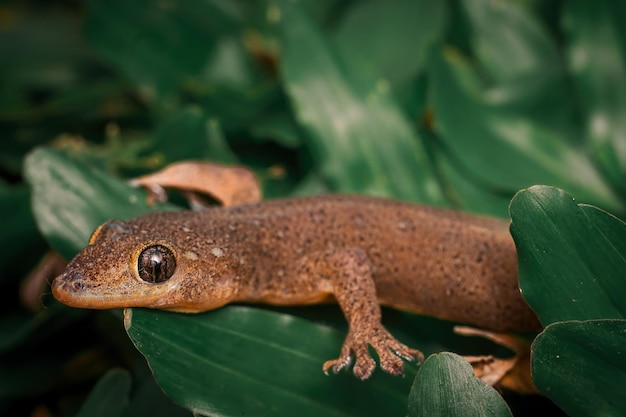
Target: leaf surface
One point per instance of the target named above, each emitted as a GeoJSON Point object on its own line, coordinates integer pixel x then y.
{"type": "Point", "coordinates": [358, 134]}
{"type": "Point", "coordinates": [445, 386]}
{"type": "Point", "coordinates": [581, 366]}
{"type": "Point", "coordinates": [109, 398]}
{"type": "Point", "coordinates": [241, 360]}
{"type": "Point", "coordinates": [572, 257]}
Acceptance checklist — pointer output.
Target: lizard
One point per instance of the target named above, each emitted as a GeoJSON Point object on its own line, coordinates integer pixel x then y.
{"type": "Point", "coordinates": [360, 252]}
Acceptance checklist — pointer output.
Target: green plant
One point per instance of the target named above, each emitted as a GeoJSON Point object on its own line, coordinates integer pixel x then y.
{"type": "Point", "coordinates": [456, 104]}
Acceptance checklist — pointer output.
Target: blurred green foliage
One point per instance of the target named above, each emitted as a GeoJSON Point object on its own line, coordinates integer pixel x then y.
{"type": "Point", "coordinates": [449, 103]}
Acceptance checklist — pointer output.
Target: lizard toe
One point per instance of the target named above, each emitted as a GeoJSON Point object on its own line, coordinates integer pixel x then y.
{"type": "Point", "coordinates": [364, 367]}
{"type": "Point", "coordinates": [391, 363]}
{"type": "Point", "coordinates": [408, 354]}
{"type": "Point", "coordinates": [337, 365]}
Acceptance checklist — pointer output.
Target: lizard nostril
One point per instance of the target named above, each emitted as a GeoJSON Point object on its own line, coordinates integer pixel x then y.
{"type": "Point", "coordinates": [77, 285]}
{"type": "Point", "coordinates": [71, 281]}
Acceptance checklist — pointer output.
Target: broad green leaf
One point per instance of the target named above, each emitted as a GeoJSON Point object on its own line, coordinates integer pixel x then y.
{"type": "Point", "coordinates": [230, 64]}
{"type": "Point", "coordinates": [358, 135]}
{"type": "Point", "coordinates": [597, 59]}
{"type": "Point", "coordinates": [581, 366]}
{"type": "Point", "coordinates": [109, 398]}
{"type": "Point", "coordinates": [241, 360]}
{"type": "Point", "coordinates": [572, 257]}
{"type": "Point", "coordinates": [472, 196]}
{"type": "Point", "coordinates": [148, 399]}
{"type": "Point", "coordinates": [158, 46]}
{"type": "Point", "coordinates": [545, 98]}
{"type": "Point", "coordinates": [445, 386]}
{"type": "Point", "coordinates": [412, 27]}
{"type": "Point", "coordinates": [508, 41]}
{"type": "Point", "coordinates": [238, 109]}
{"type": "Point", "coordinates": [44, 49]}
{"type": "Point", "coordinates": [501, 150]}
{"type": "Point", "coordinates": [201, 135]}
{"type": "Point", "coordinates": [71, 199]}
{"type": "Point", "coordinates": [21, 245]}
{"type": "Point", "coordinates": [280, 128]}
{"type": "Point", "coordinates": [525, 69]}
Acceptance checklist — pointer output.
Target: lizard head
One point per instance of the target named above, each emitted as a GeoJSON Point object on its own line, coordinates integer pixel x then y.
{"type": "Point", "coordinates": [154, 261]}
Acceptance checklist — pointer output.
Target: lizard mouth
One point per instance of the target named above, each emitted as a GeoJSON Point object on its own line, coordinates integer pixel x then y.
{"type": "Point", "coordinates": [73, 290]}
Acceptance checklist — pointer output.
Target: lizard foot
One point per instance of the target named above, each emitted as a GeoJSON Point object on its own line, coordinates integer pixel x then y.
{"type": "Point", "coordinates": [390, 354]}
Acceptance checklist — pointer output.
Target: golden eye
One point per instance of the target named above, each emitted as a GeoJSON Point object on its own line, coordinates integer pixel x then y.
{"type": "Point", "coordinates": [156, 264]}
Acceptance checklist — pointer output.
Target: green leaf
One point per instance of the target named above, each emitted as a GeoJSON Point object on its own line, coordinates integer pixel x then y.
{"type": "Point", "coordinates": [71, 199]}
{"type": "Point", "coordinates": [158, 46]}
{"type": "Point", "coordinates": [241, 360]}
{"type": "Point", "coordinates": [572, 257]}
{"type": "Point", "coordinates": [358, 134]}
{"type": "Point", "coordinates": [44, 49]}
{"type": "Point", "coordinates": [230, 64]}
{"type": "Point", "coordinates": [446, 386]}
{"type": "Point", "coordinates": [148, 399]}
{"type": "Point", "coordinates": [524, 67]}
{"type": "Point", "coordinates": [21, 245]}
{"type": "Point", "coordinates": [597, 59]}
{"type": "Point", "coordinates": [581, 366]}
{"type": "Point", "coordinates": [506, 151]}
{"type": "Point", "coordinates": [470, 195]}
{"type": "Point", "coordinates": [201, 134]}
{"type": "Point", "coordinates": [109, 398]}
{"type": "Point", "coordinates": [412, 27]}
{"type": "Point", "coordinates": [238, 109]}
{"type": "Point", "coordinates": [281, 128]}
{"type": "Point", "coordinates": [508, 41]}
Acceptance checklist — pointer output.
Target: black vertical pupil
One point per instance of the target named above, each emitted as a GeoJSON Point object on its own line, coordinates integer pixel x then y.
{"type": "Point", "coordinates": [156, 264]}
{"type": "Point", "coordinates": [155, 261]}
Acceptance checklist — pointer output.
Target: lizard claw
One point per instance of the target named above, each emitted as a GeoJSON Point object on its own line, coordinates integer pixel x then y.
{"type": "Point", "coordinates": [390, 354]}
{"type": "Point", "coordinates": [336, 365]}
{"type": "Point", "coordinates": [343, 361]}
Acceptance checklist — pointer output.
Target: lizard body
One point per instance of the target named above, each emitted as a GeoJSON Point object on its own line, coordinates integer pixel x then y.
{"type": "Point", "coordinates": [361, 252]}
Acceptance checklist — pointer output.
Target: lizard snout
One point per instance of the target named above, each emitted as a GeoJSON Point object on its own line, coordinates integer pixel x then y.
{"type": "Point", "coordinates": [68, 285]}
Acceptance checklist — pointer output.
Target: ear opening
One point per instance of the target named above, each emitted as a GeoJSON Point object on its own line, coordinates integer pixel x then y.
{"type": "Point", "coordinates": [108, 231]}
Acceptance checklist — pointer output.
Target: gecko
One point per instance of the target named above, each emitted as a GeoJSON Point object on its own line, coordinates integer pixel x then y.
{"type": "Point", "coordinates": [360, 252]}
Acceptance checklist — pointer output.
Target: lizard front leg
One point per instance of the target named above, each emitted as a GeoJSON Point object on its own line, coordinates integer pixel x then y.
{"type": "Point", "coordinates": [350, 275]}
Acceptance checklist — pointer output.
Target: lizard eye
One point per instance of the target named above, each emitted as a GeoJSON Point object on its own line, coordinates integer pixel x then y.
{"type": "Point", "coordinates": [156, 264]}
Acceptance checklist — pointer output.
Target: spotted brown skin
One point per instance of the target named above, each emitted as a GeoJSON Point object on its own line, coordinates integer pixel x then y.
{"type": "Point", "coordinates": [361, 252]}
